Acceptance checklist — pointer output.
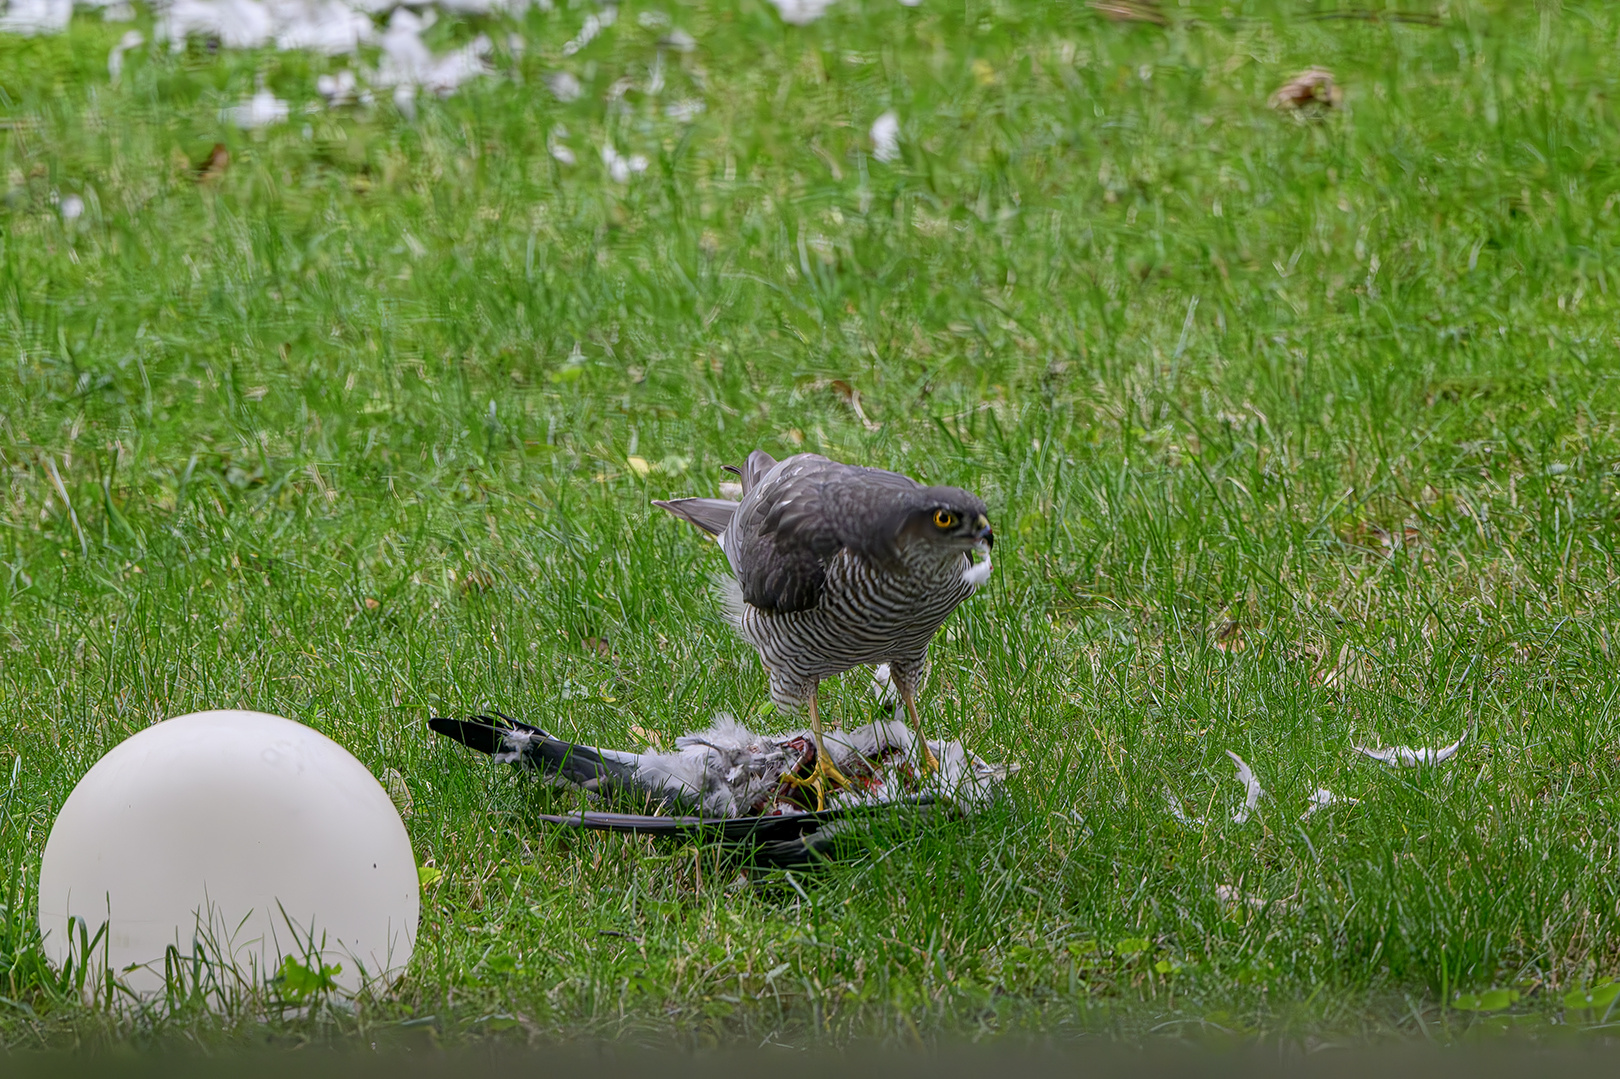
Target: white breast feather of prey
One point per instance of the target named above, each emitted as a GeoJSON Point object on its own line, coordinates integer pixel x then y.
{"type": "Point", "coordinates": [726, 768]}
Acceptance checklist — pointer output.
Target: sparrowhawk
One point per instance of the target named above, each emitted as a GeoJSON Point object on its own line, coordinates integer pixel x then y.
{"type": "Point", "coordinates": [835, 566]}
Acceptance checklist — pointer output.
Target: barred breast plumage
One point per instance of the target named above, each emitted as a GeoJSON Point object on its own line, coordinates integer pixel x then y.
{"type": "Point", "coordinates": [866, 616]}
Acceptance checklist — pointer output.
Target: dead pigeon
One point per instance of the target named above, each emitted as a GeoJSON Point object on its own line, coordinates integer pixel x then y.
{"type": "Point", "coordinates": [730, 771]}
{"type": "Point", "coordinates": [741, 786]}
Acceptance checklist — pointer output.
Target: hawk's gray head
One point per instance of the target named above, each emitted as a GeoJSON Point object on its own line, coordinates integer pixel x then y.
{"type": "Point", "coordinates": [947, 519]}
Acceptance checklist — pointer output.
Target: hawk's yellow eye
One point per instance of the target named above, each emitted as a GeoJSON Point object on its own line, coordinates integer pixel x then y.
{"type": "Point", "coordinates": [944, 518]}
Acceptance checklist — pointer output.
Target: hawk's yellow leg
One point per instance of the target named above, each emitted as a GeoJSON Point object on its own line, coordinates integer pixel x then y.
{"type": "Point", "coordinates": [825, 771]}
{"type": "Point", "coordinates": [929, 762]}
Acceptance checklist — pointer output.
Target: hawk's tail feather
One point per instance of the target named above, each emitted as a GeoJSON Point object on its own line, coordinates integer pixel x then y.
{"type": "Point", "coordinates": [713, 515]}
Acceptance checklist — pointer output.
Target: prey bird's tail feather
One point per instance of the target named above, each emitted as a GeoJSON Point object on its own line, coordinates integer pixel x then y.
{"type": "Point", "coordinates": [486, 734]}
{"type": "Point", "coordinates": [713, 515]}
{"type": "Point", "coordinates": [512, 741]}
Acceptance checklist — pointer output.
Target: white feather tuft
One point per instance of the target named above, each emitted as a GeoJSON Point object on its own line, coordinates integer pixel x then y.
{"type": "Point", "coordinates": [977, 573]}
{"type": "Point", "coordinates": [883, 685]}
{"type": "Point", "coordinates": [728, 593]}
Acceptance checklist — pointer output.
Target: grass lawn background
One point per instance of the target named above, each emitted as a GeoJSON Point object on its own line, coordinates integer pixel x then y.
{"type": "Point", "coordinates": [1296, 434]}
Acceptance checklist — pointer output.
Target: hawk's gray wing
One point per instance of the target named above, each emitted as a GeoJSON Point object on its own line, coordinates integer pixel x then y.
{"type": "Point", "coordinates": [799, 515]}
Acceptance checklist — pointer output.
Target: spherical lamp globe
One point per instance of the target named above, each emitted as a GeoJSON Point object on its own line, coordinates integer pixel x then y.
{"type": "Point", "coordinates": [238, 838]}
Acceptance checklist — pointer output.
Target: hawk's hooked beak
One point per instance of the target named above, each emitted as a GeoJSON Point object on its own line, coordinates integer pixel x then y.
{"type": "Point", "coordinates": [983, 533]}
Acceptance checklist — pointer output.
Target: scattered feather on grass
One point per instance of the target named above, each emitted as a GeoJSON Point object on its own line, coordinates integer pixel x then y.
{"type": "Point", "coordinates": [407, 62]}
{"type": "Point", "coordinates": [1251, 788]}
{"type": "Point", "coordinates": [621, 167]}
{"type": "Point", "coordinates": [564, 86]}
{"type": "Point", "coordinates": [339, 89]}
{"type": "Point", "coordinates": [1180, 813]}
{"type": "Point", "coordinates": [684, 111]}
{"type": "Point", "coordinates": [801, 12]}
{"type": "Point", "coordinates": [679, 40]}
{"type": "Point", "coordinates": [1408, 757]}
{"type": "Point", "coordinates": [330, 27]}
{"type": "Point", "coordinates": [31, 17]}
{"type": "Point", "coordinates": [886, 136]}
{"type": "Point", "coordinates": [132, 39]}
{"type": "Point", "coordinates": [1252, 792]}
{"type": "Point", "coordinates": [595, 23]}
{"type": "Point", "coordinates": [1323, 798]}
{"type": "Point", "coordinates": [883, 685]}
{"type": "Point", "coordinates": [260, 110]}
{"type": "Point", "coordinates": [556, 148]}
{"type": "Point", "coordinates": [324, 26]}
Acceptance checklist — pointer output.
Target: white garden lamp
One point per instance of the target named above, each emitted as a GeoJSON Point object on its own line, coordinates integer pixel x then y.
{"type": "Point", "coordinates": [235, 836]}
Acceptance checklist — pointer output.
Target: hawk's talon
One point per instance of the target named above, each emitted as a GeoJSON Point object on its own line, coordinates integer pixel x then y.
{"type": "Point", "coordinates": [930, 763]}
{"type": "Point", "coordinates": [824, 770]}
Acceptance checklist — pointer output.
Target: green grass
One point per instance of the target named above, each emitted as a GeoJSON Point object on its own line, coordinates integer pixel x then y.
{"type": "Point", "coordinates": [1296, 434]}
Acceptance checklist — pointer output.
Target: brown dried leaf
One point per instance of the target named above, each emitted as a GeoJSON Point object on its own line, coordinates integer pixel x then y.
{"type": "Point", "coordinates": [597, 645]}
{"type": "Point", "coordinates": [1129, 11]}
{"type": "Point", "coordinates": [477, 581]}
{"type": "Point", "coordinates": [219, 159]}
{"type": "Point", "coordinates": [1229, 638]}
{"type": "Point", "coordinates": [1236, 897]}
{"type": "Point", "coordinates": [1312, 88]}
{"type": "Point", "coordinates": [1408, 538]}
{"type": "Point", "coordinates": [1351, 669]}
{"type": "Point", "coordinates": [399, 793]}
{"type": "Point", "coordinates": [652, 738]}
{"type": "Point", "coordinates": [852, 397]}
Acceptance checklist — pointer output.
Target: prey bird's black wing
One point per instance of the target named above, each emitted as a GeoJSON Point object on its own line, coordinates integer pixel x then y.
{"type": "Point", "coordinates": [727, 829]}
{"type": "Point", "coordinates": [774, 827]}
